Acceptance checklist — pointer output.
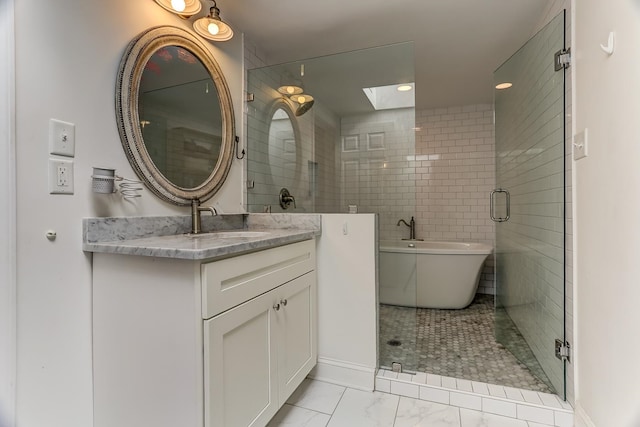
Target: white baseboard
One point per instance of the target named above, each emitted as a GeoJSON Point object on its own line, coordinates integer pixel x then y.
{"type": "Point", "coordinates": [344, 373]}
{"type": "Point", "coordinates": [581, 418]}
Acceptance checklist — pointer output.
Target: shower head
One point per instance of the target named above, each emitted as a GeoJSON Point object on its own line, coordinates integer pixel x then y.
{"type": "Point", "coordinates": [303, 108]}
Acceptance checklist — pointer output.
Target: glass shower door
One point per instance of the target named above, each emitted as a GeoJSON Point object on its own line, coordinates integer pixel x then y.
{"type": "Point", "coordinates": [528, 205]}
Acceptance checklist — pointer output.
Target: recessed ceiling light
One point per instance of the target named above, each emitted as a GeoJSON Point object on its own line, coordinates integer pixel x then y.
{"type": "Point", "coordinates": [404, 88]}
{"type": "Point", "coordinates": [505, 85]}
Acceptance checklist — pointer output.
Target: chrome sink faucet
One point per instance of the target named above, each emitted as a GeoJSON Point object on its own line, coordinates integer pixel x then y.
{"type": "Point", "coordinates": [196, 221]}
{"type": "Point", "coordinates": [412, 227]}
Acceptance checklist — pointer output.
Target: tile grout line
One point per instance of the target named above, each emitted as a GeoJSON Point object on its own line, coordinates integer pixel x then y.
{"type": "Point", "coordinates": [337, 404]}
{"type": "Point", "coordinates": [395, 416]}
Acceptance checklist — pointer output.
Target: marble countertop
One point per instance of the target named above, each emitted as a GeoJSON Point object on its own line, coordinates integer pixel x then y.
{"type": "Point", "coordinates": [168, 237]}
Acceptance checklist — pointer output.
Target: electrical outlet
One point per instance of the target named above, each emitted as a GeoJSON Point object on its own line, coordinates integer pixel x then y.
{"type": "Point", "coordinates": [62, 138]}
{"type": "Point", "coordinates": [60, 176]}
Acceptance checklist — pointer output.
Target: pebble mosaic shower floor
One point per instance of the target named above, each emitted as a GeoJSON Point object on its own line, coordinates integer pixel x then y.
{"type": "Point", "coordinates": [457, 343]}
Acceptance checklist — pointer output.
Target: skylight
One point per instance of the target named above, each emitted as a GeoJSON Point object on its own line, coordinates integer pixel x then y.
{"type": "Point", "coordinates": [392, 96]}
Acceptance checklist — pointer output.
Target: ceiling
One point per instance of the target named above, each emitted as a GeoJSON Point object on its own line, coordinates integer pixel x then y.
{"type": "Point", "coordinates": [458, 43]}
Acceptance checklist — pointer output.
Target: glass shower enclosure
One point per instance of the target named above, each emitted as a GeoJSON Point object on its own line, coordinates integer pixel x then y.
{"type": "Point", "coordinates": [351, 149]}
{"type": "Point", "coordinates": [529, 205]}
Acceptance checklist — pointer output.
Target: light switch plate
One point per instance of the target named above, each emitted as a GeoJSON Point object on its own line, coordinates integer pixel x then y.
{"type": "Point", "coordinates": [580, 145]}
{"type": "Point", "coordinates": [62, 138]}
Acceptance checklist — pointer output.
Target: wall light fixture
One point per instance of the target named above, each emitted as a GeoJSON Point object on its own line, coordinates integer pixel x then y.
{"type": "Point", "coordinates": [211, 27]}
{"type": "Point", "coordinates": [183, 8]}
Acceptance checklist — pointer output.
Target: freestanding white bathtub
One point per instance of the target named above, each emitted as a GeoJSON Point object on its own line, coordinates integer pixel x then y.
{"type": "Point", "coordinates": [430, 274]}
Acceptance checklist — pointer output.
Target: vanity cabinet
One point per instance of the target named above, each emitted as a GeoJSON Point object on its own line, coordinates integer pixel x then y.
{"type": "Point", "coordinates": [202, 343]}
{"type": "Point", "coordinates": [256, 354]}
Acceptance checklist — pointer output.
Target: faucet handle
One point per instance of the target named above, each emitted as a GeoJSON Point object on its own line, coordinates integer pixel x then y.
{"type": "Point", "coordinates": [286, 198]}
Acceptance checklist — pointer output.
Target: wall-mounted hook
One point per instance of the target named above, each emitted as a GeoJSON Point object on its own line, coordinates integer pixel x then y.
{"type": "Point", "coordinates": [243, 152]}
{"type": "Point", "coordinates": [609, 48]}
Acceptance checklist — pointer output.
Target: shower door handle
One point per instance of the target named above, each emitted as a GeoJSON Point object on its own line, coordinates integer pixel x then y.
{"type": "Point", "coordinates": [508, 205]}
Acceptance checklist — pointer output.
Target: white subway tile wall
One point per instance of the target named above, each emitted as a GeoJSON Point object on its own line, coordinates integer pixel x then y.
{"type": "Point", "coordinates": [530, 156]}
{"type": "Point", "coordinates": [378, 167]}
{"type": "Point", "coordinates": [455, 173]}
{"type": "Point", "coordinates": [554, 8]}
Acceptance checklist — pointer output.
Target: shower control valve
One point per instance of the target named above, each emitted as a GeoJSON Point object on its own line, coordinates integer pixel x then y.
{"type": "Point", "coordinates": [286, 199]}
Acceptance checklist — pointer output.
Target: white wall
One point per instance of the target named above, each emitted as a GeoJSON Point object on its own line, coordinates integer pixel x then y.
{"type": "Point", "coordinates": [347, 300]}
{"type": "Point", "coordinates": [7, 219]}
{"type": "Point", "coordinates": [67, 56]}
{"type": "Point", "coordinates": [607, 216]}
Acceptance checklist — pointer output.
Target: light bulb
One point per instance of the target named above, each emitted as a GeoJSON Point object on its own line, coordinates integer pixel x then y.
{"type": "Point", "coordinates": [213, 28]}
{"type": "Point", "coordinates": [178, 5]}
{"type": "Point", "coordinates": [290, 89]}
{"type": "Point", "coordinates": [301, 100]}
{"type": "Point", "coordinates": [404, 88]}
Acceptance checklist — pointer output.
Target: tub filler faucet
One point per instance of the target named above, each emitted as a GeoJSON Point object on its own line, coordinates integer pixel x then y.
{"type": "Point", "coordinates": [412, 228]}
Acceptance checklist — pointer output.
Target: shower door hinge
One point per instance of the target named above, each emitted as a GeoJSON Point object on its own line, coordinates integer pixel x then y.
{"type": "Point", "coordinates": [250, 97]}
{"type": "Point", "coordinates": [562, 59]}
{"type": "Point", "coordinates": [563, 350]}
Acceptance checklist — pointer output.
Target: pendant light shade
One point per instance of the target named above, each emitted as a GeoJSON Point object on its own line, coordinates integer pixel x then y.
{"type": "Point", "coordinates": [301, 98]}
{"type": "Point", "coordinates": [211, 27]}
{"type": "Point", "coordinates": [296, 94]}
{"type": "Point", "coordinates": [183, 8]}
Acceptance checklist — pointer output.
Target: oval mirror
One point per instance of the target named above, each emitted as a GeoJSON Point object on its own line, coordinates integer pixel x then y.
{"type": "Point", "coordinates": [284, 153]}
{"type": "Point", "coordinates": [175, 115]}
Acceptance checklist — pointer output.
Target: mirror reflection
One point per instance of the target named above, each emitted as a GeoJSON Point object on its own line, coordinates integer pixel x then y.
{"type": "Point", "coordinates": [282, 148]}
{"type": "Point", "coordinates": [180, 116]}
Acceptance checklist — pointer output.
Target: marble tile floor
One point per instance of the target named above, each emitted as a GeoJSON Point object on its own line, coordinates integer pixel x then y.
{"type": "Point", "coordinates": [320, 404]}
{"type": "Point", "coordinates": [459, 344]}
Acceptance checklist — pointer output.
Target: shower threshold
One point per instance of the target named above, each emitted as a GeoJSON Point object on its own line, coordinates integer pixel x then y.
{"type": "Point", "coordinates": [526, 405]}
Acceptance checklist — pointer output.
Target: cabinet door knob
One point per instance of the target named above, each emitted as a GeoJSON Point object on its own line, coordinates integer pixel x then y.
{"type": "Point", "coordinates": [276, 307]}
{"type": "Point", "coordinates": [283, 302]}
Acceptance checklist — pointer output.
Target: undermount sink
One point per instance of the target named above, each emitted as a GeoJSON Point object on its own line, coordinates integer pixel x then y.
{"type": "Point", "coordinates": [233, 234]}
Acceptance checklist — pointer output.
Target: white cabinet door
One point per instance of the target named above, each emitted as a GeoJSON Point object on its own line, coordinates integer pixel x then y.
{"type": "Point", "coordinates": [297, 349]}
{"type": "Point", "coordinates": [258, 353]}
{"type": "Point", "coordinates": [241, 388]}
